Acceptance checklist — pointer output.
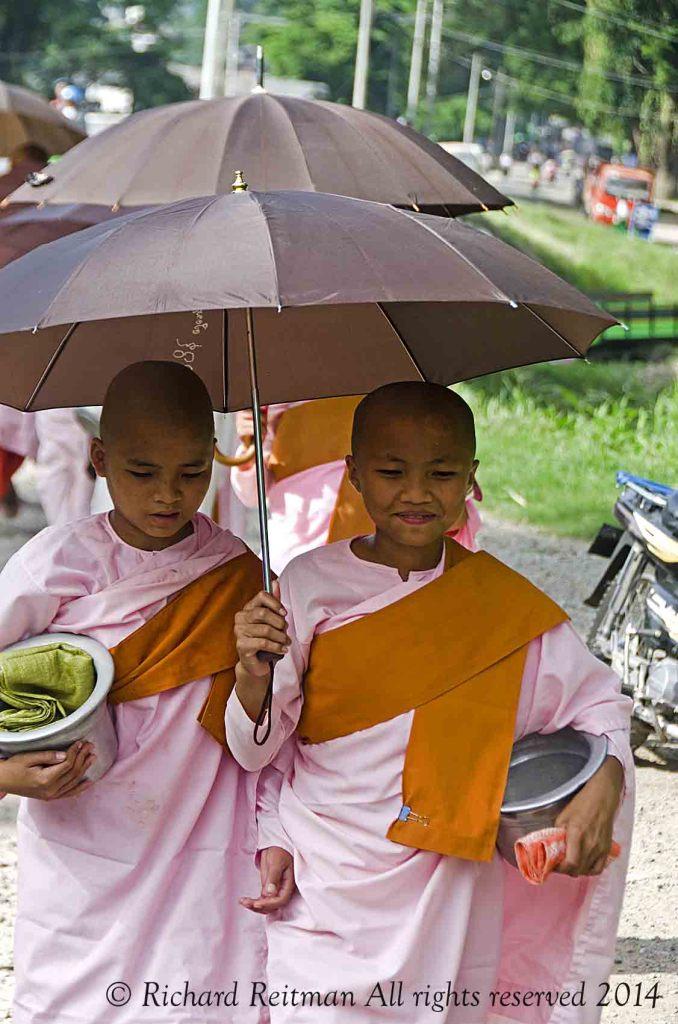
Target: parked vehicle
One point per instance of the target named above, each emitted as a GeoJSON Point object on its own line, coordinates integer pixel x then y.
{"type": "Point", "coordinates": [636, 627]}
{"type": "Point", "coordinates": [611, 190]}
{"type": "Point", "coordinates": [470, 153]}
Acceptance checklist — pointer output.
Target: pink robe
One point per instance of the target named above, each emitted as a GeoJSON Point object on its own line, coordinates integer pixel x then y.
{"type": "Point", "coordinates": [137, 879]}
{"type": "Point", "coordinates": [300, 508]}
{"type": "Point", "coordinates": [368, 910]}
{"type": "Point", "coordinates": [17, 432]}
{"type": "Point", "coordinates": [60, 448]}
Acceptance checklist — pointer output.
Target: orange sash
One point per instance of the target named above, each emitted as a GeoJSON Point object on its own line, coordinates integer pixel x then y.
{"type": "Point", "coordinates": [190, 638]}
{"type": "Point", "coordinates": [454, 652]}
{"type": "Point", "coordinates": [313, 434]}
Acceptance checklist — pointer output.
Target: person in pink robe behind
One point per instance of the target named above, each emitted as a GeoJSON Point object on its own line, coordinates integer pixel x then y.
{"type": "Point", "coordinates": [370, 911]}
{"type": "Point", "coordinates": [59, 445]}
{"type": "Point", "coordinates": [300, 508]}
{"type": "Point", "coordinates": [134, 880]}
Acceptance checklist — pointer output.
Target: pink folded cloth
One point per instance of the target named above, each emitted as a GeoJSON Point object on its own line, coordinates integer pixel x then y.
{"type": "Point", "coordinates": [540, 852]}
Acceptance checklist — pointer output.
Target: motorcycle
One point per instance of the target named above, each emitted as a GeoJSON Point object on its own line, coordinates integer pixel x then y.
{"type": "Point", "coordinates": [636, 626]}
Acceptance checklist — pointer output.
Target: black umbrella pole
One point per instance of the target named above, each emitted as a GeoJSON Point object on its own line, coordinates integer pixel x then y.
{"type": "Point", "coordinates": [263, 722]}
{"type": "Point", "coordinates": [259, 454]}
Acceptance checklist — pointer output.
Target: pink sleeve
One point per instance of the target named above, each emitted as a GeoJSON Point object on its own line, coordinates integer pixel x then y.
{"type": "Point", "coordinates": [270, 831]}
{"type": "Point", "coordinates": [26, 608]}
{"type": "Point", "coordinates": [244, 481]}
{"type": "Point", "coordinates": [564, 684]}
{"type": "Point", "coordinates": [287, 681]}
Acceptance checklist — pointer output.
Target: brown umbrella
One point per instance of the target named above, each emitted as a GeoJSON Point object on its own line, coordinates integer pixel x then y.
{"type": "Point", "coordinates": [26, 227]}
{"type": "Point", "coordinates": [190, 149]}
{"type": "Point", "coordinates": [346, 295]}
{"type": "Point", "coordinates": [27, 117]}
{"type": "Point", "coordinates": [343, 295]}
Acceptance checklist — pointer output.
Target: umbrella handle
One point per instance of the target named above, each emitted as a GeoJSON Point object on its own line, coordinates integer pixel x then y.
{"type": "Point", "coordinates": [234, 460]}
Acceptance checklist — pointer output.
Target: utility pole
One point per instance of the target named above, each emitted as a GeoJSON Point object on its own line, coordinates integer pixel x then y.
{"type": "Point", "coordinates": [417, 59]}
{"type": "Point", "coordinates": [232, 50]}
{"type": "Point", "coordinates": [509, 131]}
{"type": "Point", "coordinates": [434, 53]}
{"type": "Point", "coordinates": [362, 59]}
{"type": "Point", "coordinates": [472, 97]}
{"type": "Point", "coordinates": [497, 111]}
{"type": "Point", "coordinates": [210, 53]}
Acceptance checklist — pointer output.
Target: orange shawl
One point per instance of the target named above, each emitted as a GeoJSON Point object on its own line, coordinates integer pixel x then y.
{"type": "Point", "coordinates": [313, 434]}
{"type": "Point", "coordinates": [454, 652]}
{"type": "Point", "coordinates": [190, 638]}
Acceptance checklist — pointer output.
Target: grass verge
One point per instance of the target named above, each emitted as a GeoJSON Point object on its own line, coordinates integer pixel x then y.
{"type": "Point", "coordinates": [593, 257]}
{"type": "Point", "coordinates": [552, 437]}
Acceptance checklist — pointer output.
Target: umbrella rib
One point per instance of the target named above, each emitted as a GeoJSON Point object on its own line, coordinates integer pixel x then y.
{"type": "Point", "coordinates": [55, 355]}
{"type": "Point", "coordinates": [158, 129]}
{"type": "Point", "coordinates": [113, 227]}
{"type": "Point", "coordinates": [400, 339]}
{"type": "Point", "coordinates": [224, 363]}
{"type": "Point", "coordinates": [298, 142]}
{"type": "Point", "coordinates": [580, 355]}
{"type": "Point", "coordinates": [278, 300]}
{"type": "Point", "coordinates": [417, 219]}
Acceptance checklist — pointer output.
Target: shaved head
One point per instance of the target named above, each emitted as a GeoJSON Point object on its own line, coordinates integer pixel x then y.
{"type": "Point", "coordinates": [155, 450]}
{"type": "Point", "coordinates": [430, 403]}
{"type": "Point", "coordinates": [161, 392]}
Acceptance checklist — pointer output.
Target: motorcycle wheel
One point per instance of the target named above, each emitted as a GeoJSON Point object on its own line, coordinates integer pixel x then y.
{"type": "Point", "coordinates": [639, 733]}
{"type": "Point", "coordinates": [593, 640]}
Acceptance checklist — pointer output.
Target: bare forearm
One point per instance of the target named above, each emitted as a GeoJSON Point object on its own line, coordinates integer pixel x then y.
{"type": "Point", "coordinates": [613, 772]}
{"type": "Point", "coordinates": [251, 691]}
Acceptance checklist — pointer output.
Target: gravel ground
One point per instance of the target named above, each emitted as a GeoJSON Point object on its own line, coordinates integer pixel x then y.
{"type": "Point", "coordinates": [647, 948]}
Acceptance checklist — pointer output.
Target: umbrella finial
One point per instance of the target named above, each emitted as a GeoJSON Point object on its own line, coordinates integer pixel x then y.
{"type": "Point", "coordinates": [239, 184]}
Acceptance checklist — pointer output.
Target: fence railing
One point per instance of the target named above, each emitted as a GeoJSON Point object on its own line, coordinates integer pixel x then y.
{"type": "Point", "coordinates": [645, 323]}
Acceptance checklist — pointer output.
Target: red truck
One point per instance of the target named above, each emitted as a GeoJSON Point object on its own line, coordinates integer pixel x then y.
{"type": "Point", "coordinates": [611, 190]}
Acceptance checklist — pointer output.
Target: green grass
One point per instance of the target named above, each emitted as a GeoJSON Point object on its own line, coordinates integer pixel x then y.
{"type": "Point", "coordinates": [593, 257]}
{"type": "Point", "coordinates": [552, 437]}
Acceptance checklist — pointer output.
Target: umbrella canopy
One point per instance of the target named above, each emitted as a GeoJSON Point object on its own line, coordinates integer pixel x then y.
{"type": "Point", "coordinates": [25, 227]}
{"type": "Point", "coordinates": [185, 150]}
{"type": "Point", "coordinates": [27, 117]}
{"type": "Point", "coordinates": [346, 295]}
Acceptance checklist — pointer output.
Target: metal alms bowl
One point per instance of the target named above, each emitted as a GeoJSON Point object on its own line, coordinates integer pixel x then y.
{"type": "Point", "coordinates": [92, 721]}
{"type": "Point", "coordinates": [545, 772]}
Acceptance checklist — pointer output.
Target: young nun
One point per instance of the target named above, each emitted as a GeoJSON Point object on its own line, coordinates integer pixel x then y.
{"type": "Point", "coordinates": [135, 879]}
{"type": "Point", "coordinates": [310, 497]}
{"type": "Point", "coordinates": [410, 667]}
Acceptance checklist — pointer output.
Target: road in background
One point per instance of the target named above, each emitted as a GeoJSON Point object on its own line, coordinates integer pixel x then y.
{"type": "Point", "coordinates": [518, 185]}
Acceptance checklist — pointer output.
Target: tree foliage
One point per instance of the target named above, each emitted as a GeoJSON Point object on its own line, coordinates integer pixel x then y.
{"type": "Point", "coordinates": [550, 58]}
{"type": "Point", "coordinates": [43, 40]}
{"type": "Point", "coordinates": [577, 58]}
{"type": "Point", "coordinates": [637, 41]}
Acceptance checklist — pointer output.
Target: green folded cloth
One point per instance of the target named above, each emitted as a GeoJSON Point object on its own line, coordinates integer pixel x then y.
{"type": "Point", "coordinates": [40, 685]}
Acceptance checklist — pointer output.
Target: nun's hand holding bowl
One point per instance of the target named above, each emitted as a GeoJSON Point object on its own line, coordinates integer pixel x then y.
{"type": "Point", "coordinates": [588, 820]}
{"type": "Point", "coordinates": [48, 774]}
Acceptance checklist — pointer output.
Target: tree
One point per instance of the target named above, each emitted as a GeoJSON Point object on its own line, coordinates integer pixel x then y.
{"type": "Point", "coordinates": [42, 40]}
{"type": "Point", "coordinates": [636, 41]}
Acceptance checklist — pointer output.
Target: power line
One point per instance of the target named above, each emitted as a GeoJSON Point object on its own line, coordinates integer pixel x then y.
{"type": "Point", "coordinates": [543, 58]}
{"type": "Point", "coordinates": [667, 33]}
{"type": "Point", "coordinates": [465, 62]}
{"type": "Point", "coordinates": [574, 102]}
